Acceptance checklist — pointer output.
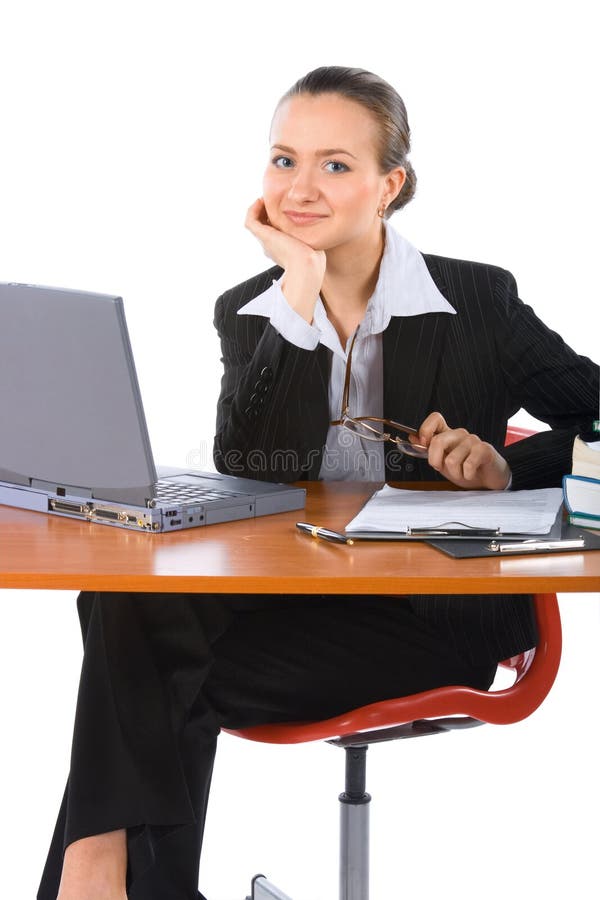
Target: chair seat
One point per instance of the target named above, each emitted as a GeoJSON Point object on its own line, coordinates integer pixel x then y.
{"type": "Point", "coordinates": [535, 671]}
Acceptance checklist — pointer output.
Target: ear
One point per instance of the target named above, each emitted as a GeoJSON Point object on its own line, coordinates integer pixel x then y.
{"type": "Point", "coordinates": [394, 182]}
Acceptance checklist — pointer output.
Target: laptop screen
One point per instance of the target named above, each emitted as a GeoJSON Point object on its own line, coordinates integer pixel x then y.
{"type": "Point", "coordinates": [70, 407]}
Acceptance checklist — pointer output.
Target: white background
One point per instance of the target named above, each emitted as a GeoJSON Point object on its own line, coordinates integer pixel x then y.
{"type": "Point", "coordinates": [133, 139]}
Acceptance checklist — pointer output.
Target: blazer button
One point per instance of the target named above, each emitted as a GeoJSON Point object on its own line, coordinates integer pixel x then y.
{"type": "Point", "coordinates": [267, 373]}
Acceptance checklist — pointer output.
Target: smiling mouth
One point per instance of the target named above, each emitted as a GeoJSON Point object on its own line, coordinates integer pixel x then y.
{"type": "Point", "coordinates": [303, 218]}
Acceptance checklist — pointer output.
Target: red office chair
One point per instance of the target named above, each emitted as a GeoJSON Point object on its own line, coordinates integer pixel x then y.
{"type": "Point", "coordinates": [429, 712]}
{"type": "Point", "coordinates": [514, 434]}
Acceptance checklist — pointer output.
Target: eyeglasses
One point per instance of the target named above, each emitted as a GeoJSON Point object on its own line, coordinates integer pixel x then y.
{"type": "Point", "coordinates": [372, 428]}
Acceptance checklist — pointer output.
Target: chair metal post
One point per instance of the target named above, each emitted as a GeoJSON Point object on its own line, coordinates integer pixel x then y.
{"type": "Point", "coordinates": [430, 712]}
{"type": "Point", "coordinates": [354, 828]}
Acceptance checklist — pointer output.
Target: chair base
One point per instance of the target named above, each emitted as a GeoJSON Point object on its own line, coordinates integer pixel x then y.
{"type": "Point", "coordinates": [262, 889]}
{"type": "Point", "coordinates": [354, 836]}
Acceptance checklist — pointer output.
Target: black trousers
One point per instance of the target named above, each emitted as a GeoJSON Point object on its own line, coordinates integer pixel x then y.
{"type": "Point", "coordinates": [162, 673]}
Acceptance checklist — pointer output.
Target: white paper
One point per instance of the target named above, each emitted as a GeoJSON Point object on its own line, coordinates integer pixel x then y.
{"type": "Point", "coordinates": [512, 512]}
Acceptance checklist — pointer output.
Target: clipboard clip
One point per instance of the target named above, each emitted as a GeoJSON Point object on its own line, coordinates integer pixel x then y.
{"type": "Point", "coordinates": [444, 530]}
{"type": "Point", "coordinates": [531, 545]}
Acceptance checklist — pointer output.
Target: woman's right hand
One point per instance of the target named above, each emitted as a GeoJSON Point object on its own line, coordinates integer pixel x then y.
{"type": "Point", "coordinates": [304, 267]}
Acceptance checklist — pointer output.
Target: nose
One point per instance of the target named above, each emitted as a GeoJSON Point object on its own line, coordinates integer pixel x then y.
{"type": "Point", "coordinates": [304, 186]}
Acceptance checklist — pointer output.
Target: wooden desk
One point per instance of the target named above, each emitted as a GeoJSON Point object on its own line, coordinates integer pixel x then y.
{"type": "Point", "coordinates": [265, 555]}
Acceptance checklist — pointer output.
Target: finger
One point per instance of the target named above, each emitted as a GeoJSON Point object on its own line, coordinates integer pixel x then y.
{"type": "Point", "coordinates": [255, 213]}
{"type": "Point", "coordinates": [475, 464]}
{"type": "Point", "coordinates": [443, 443]}
{"type": "Point", "coordinates": [433, 424]}
{"type": "Point", "coordinates": [485, 467]}
{"type": "Point", "coordinates": [476, 460]}
{"type": "Point", "coordinates": [465, 461]}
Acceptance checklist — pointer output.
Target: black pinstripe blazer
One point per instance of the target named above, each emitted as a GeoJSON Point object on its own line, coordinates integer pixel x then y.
{"type": "Point", "coordinates": [477, 368]}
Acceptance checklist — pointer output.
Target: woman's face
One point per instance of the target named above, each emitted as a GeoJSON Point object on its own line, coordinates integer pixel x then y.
{"type": "Point", "coordinates": [323, 183]}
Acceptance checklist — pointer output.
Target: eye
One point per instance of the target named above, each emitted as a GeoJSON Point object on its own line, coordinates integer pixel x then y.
{"type": "Point", "coordinates": [282, 162]}
{"type": "Point", "coordinates": [336, 167]}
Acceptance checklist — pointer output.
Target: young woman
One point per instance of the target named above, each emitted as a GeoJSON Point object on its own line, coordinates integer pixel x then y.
{"type": "Point", "coordinates": [443, 346]}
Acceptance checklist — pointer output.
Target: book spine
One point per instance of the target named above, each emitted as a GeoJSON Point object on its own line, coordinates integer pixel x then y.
{"type": "Point", "coordinates": [584, 520]}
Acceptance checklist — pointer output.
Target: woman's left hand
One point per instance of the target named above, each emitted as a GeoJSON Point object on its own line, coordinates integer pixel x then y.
{"type": "Point", "coordinates": [461, 457]}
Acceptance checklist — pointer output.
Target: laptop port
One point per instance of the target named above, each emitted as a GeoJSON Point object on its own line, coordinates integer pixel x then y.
{"type": "Point", "coordinates": [175, 522]}
{"type": "Point", "coordinates": [113, 515]}
{"type": "Point", "coordinates": [64, 506]}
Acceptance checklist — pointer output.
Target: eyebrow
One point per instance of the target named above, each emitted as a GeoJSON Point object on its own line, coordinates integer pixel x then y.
{"type": "Point", "coordinates": [332, 151]}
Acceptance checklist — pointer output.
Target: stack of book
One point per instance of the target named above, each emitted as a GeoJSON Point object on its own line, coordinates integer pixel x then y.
{"type": "Point", "coordinates": [582, 488]}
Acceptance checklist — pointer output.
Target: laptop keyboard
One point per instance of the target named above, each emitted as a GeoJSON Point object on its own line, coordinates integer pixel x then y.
{"type": "Point", "coordinates": [180, 492]}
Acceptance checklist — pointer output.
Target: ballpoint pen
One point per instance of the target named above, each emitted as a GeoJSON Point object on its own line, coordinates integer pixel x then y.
{"type": "Point", "coordinates": [529, 545]}
{"type": "Point", "coordinates": [317, 532]}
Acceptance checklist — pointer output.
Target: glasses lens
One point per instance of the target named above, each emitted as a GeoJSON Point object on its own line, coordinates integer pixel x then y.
{"type": "Point", "coordinates": [367, 430]}
{"type": "Point", "coordinates": [410, 449]}
{"type": "Point", "coordinates": [374, 430]}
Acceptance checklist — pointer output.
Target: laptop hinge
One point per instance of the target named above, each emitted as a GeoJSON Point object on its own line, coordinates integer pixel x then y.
{"type": "Point", "coordinates": [14, 477]}
{"type": "Point", "coordinates": [135, 496]}
{"type": "Point", "coordinates": [61, 490]}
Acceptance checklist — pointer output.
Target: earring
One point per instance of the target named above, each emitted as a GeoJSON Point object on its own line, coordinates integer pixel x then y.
{"type": "Point", "coordinates": [381, 210]}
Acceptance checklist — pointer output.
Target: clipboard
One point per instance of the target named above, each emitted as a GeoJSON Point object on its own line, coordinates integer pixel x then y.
{"type": "Point", "coordinates": [562, 530]}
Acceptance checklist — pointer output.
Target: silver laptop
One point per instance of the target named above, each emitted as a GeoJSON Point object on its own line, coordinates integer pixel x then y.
{"type": "Point", "coordinates": [73, 436]}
